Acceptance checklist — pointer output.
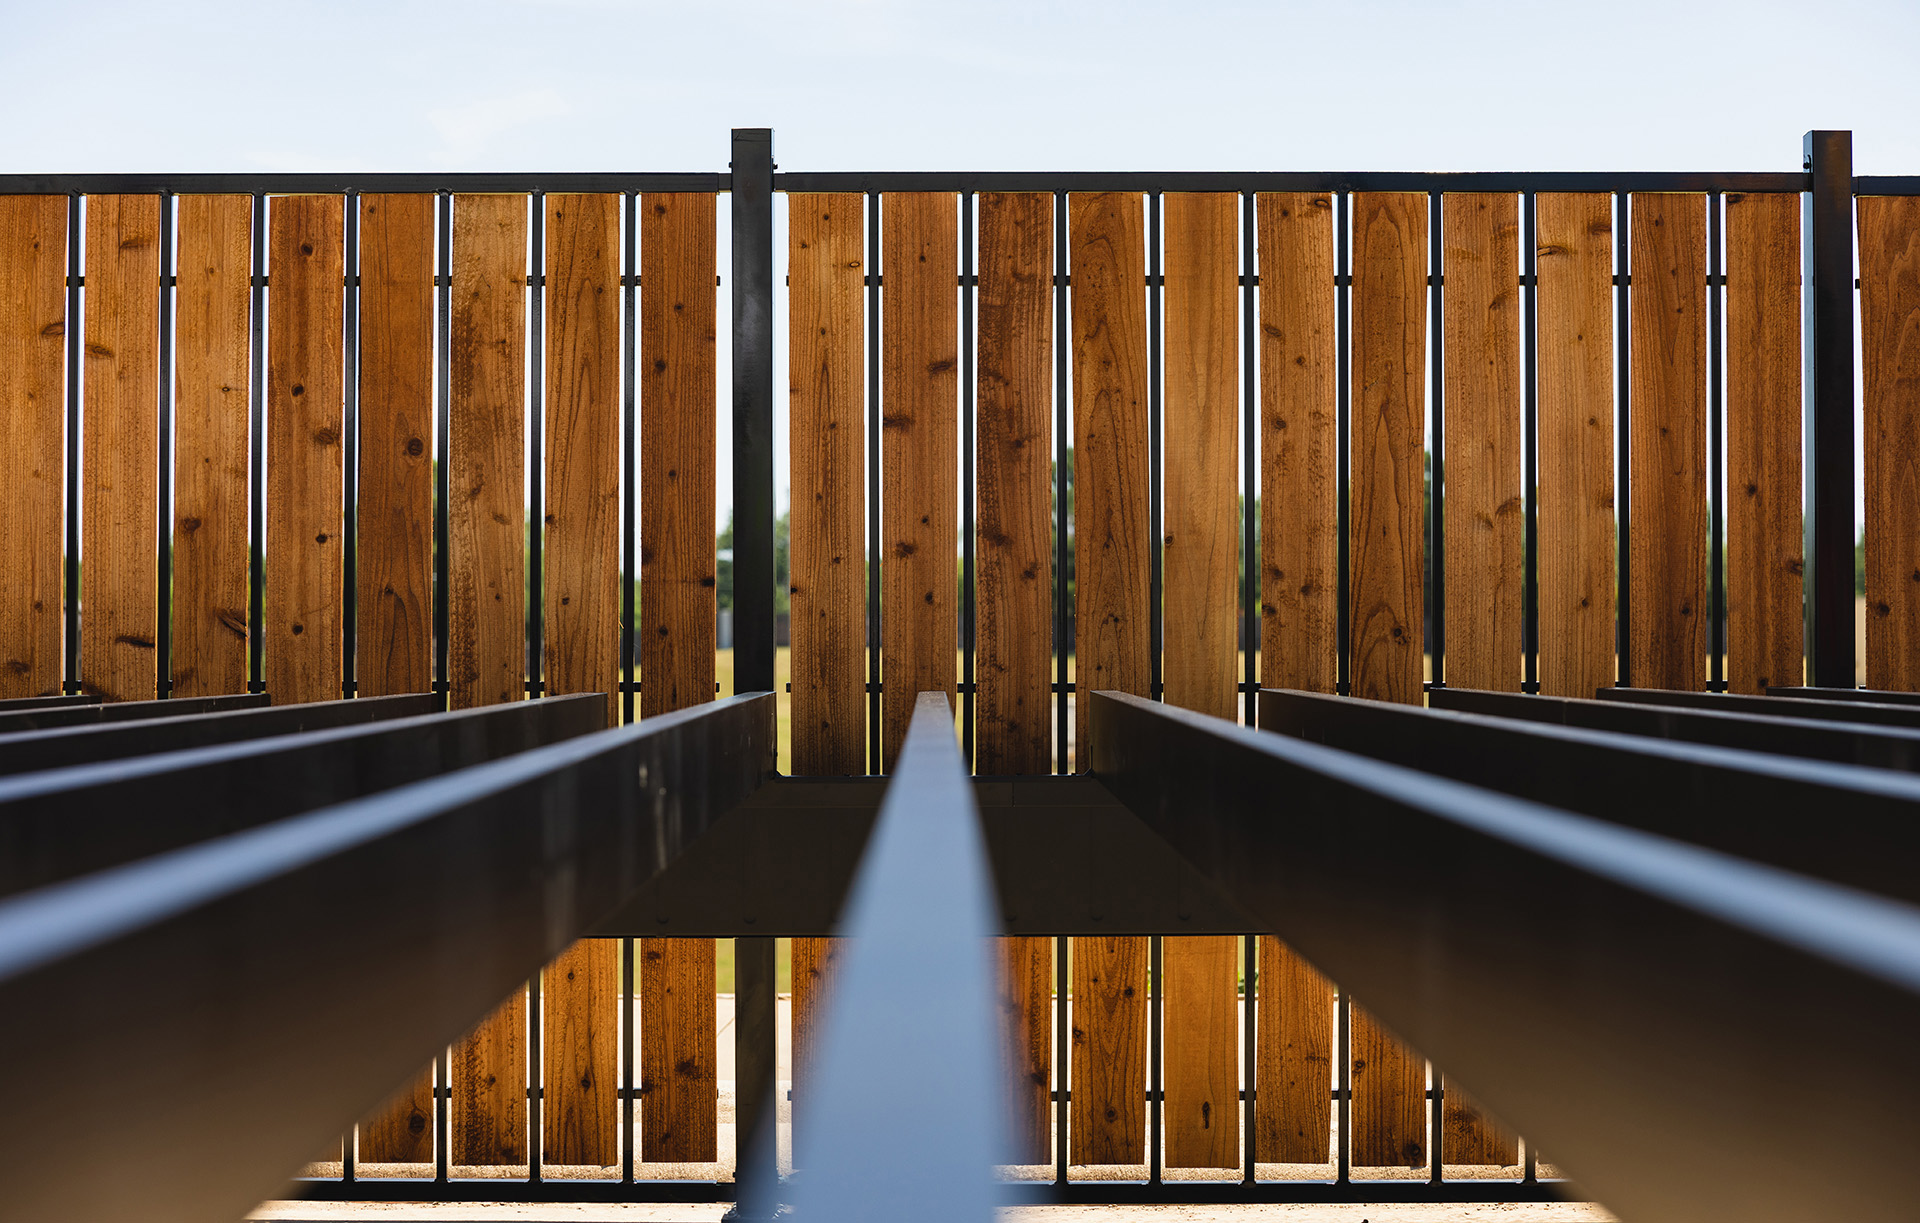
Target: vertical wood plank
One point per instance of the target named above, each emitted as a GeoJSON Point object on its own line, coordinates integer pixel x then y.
{"type": "Point", "coordinates": [679, 1120]}
{"type": "Point", "coordinates": [826, 267]}
{"type": "Point", "coordinates": [1299, 522]}
{"type": "Point", "coordinates": [400, 1131]}
{"type": "Point", "coordinates": [1109, 1113]}
{"type": "Point", "coordinates": [810, 969]}
{"type": "Point", "coordinates": [1475, 1137]}
{"type": "Point", "coordinates": [1890, 348]}
{"type": "Point", "coordinates": [120, 571]}
{"type": "Point", "coordinates": [393, 639]}
{"type": "Point", "coordinates": [1111, 528]}
{"type": "Point", "coordinates": [919, 449]}
{"type": "Point", "coordinates": [1201, 1075]}
{"type": "Point", "coordinates": [1764, 542]}
{"type": "Point", "coordinates": [486, 641]}
{"type": "Point", "coordinates": [213, 308]}
{"type": "Point", "coordinates": [1485, 514]}
{"type": "Point", "coordinates": [1389, 403]}
{"type": "Point", "coordinates": [1294, 1065]}
{"type": "Point", "coordinates": [1389, 1097]}
{"type": "Point", "coordinates": [33, 323]}
{"type": "Point", "coordinates": [1013, 633]}
{"type": "Point", "coordinates": [1667, 427]}
{"type": "Point", "coordinates": [679, 1103]}
{"type": "Point", "coordinates": [1574, 347]}
{"type": "Point", "coordinates": [305, 551]}
{"type": "Point", "coordinates": [581, 619]}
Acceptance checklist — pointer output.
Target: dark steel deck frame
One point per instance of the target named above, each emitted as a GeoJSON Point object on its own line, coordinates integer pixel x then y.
{"type": "Point", "coordinates": [414, 911]}
{"type": "Point", "coordinates": [23, 703]}
{"type": "Point", "coordinates": [1885, 747]}
{"type": "Point", "coordinates": [1811, 705]}
{"type": "Point", "coordinates": [1876, 696]}
{"type": "Point", "coordinates": [62, 823]}
{"type": "Point", "coordinates": [84, 713]}
{"type": "Point", "coordinates": [1651, 1011]}
{"type": "Point", "coordinates": [1751, 804]}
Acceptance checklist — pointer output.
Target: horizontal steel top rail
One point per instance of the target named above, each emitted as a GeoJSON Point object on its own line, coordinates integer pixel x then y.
{"type": "Point", "coordinates": [1679, 1027]}
{"type": "Point", "coordinates": [1866, 712]}
{"type": "Point", "coordinates": [91, 712]}
{"type": "Point", "coordinates": [21, 703]}
{"type": "Point", "coordinates": [1752, 804]}
{"type": "Point", "coordinates": [339, 183]}
{"type": "Point", "coordinates": [904, 1118]}
{"type": "Point", "coordinates": [288, 976]}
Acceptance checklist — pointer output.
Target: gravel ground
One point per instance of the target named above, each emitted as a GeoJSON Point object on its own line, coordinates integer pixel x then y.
{"type": "Point", "coordinates": [387, 1212]}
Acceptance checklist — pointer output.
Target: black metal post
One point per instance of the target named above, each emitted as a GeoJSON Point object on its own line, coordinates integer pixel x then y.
{"type": "Point", "coordinates": [1342, 429]}
{"type": "Point", "coordinates": [1530, 446]}
{"type": "Point", "coordinates": [1250, 478]}
{"type": "Point", "coordinates": [969, 285]}
{"type": "Point", "coordinates": [1343, 1077]}
{"type": "Point", "coordinates": [1062, 1052]}
{"type": "Point", "coordinates": [350, 458]}
{"type": "Point", "coordinates": [1156, 487]}
{"type": "Point", "coordinates": [1623, 436]}
{"type": "Point", "coordinates": [442, 1115]}
{"type": "Point", "coordinates": [1437, 451]}
{"type": "Point", "coordinates": [443, 414]}
{"type": "Point", "coordinates": [1828, 287]}
{"type": "Point", "coordinates": [753, 572]}
{"type": "Point", "coordinates": [755, 1131]}
{"type": "Point", "coordinates": [873, 483]}
{"type": "Point", "coordinates": [71, 576]}
{"type": "Point", "coordinates": [257, 468]}
{"type": "Point", "coordinates": [628, 988]}
{"type": "Point", "coordinates": [536, 1088]}
{"type": "Point", "coordinates": [1062, 474]}
{"type": "Point", "coordinates": [163, 434]}
{"type": "Point", "coordinates": [536, 439]}
{"type": "Point", "coordinates": [1156, 1026]}
{"type": "Point", "coordinates": [629, 497]}
{"type": "Point", "coordinates": [1250, 1043]}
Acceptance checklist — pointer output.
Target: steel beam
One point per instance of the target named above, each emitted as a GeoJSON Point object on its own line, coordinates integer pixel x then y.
{"type": "Point", "coordinates": [291, 975]}
{"type": "Point", "coordinates": [22, 703]}
{"type": "Point", "coordinates": [1680, 1028]}
{"type": "Point", "coordinates": [92, 712]}
{"type": "Point", "coordinates": [1876, 696]}
{"type": "Point", "coordinates": [1817, 708]}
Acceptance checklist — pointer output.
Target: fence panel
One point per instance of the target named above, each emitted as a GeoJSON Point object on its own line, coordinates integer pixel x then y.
{"type": "Point", "coordinates": [1765, 550]}
{"type": "Point", "coordinates": [1667, 422]}
{"type": "Point", "coordinates": [1574, 347]}
{"type": "Point", "coordinates": [1485, 513]}
{"type": "Point", "coordinates": [486, 647]}
{"type": "Point", "coordinates": [119, 579]}
{"type": "Point", "coordinates": [1294, 1068]}
{"type": "Point", "coordinates": [1890, 346]}
{"type": "Point", "coordinates": [678, 1084]}
{"type": "Point", "coordinates": [1108, 1122]}
{"type": "Point", "coordinates": [33, 295]}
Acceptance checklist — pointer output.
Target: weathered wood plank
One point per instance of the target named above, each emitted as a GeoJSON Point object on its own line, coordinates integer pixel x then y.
{"type": "Point", "coordinates": [1014, 633]}
{"type": "Point", "coordinates": [1890, 347]}
{"type": "Point", "coordinates": [400, 1131]}
{"type": "Point", "coordinates": [1389, 402]}
{"type": "Point", "coordinates": [33, 323]}
{"type": "Point", "coordinates": [305, 550]}
{"type": "Point", "coordinates": [1299, 523]}
{"type": "Point", "coordinates": [1764, 543]}
{"type": "Point", "coordinates": [679, 1114]}
{"type": "Point", "coordinates": [1474, 1136]}
{"type": "Point", "coordinates": [393, 640]}
{"type": "Point", "coordinates": [213, 308]}
{"type": "Point", "coordinates": [1108, 1124]}
{"type": "Point", "coordinates": [1294, 1065]}
{"type": "Point", "coordinates": [810, 969]}
{"type": "Point", "coordinates": [679, 1102]}
{"type": "Point", "coordinates": [1200, 1063]}
{"type": "Point", "coordinates": [581, 619]}
{"type": "Point", "coordinates": [1485, 514]}
{"type": "Point", "coordinates": [826, 353]}
{"type": "Point", "coordinates": [1667, 427]}
{"type": "Point", "coordinates": [1026, 1033]}
{"type": "Point", "coordinates": [1574, 346]}
{"type": "Point", "coordinates": [486, 638]}
{"type": "Point", "coordinates": [120, 569]}
{"type": "Point", "coordinates": [919, 454]}
{"type": "Point", "coordinates": [1389, 1097]}
{"type": "Point", "coordinates": [580, 1107]}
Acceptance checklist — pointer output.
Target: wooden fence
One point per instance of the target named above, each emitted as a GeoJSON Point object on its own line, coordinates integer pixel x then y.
{"type": "Point", "coordinates": [383, 442]}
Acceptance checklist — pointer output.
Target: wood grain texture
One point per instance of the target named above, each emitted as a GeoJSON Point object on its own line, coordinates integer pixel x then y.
{"type": "Point", "coordinates": [826, 355]}
{"type": "Point", "coordinates": [919, 455]}
{"type": "Point", "coordinates": [1485, 517]}
{"type": "Point", "coordinates": [1667, 427]}
{"type": "Point", "coordinates": [1389, 1097]}
{"type": "Point", "coordinates": [810, 969]}
{"type": "Point", "coordinates": [33, 323]}
{"type": "Point", "coordinates": [305, 550]}
{"type": "Point", "coordinates": [1201, 543]}
{"type": "Point", "coordinates": [1294, 1064]}
{"type": "Point", "coordinates": [679, 1098]}
{"type": "Point", "coordinates": [1299, 445]}
{"type": "Point", "coordinates": [1110, 520]}
{"type": "Point", "coordinates": [581, 623]}
{"type": "Point", "coordinates": [486, 503]}
{"type": "Point", "coordinates": [1764, 542]}
{"type": "Point", "coordinates": [677, 564]}
{"type": "Point", "coordinates": [211, 349]}
{"type": "Point", "coordinates": [486, 532]}
{"type": "Point", "coordinates": [1386, 496]}
{"type": "Point", "coordinates": [1025, 1003]}
{"type": "Point", "coordinates": [1474, 1136]}
{"type": "Point", "coordinates": [1108, 1124]}
{"type": "Point", "coordinates": [1890, 348]}
{"type": "Point", "coordinates": [1201, 1043]}
{"type": "Point", "coordinates": [580, 1105]}
{"type": "Point", "coordinates": [1574, 345]}
{"type": "Point", "coordinates": [120, 454]}
{"type": "Point", "coordinates": [400, 1131]}
{"type": "Point", "coordinates": [490, 1087]}
{"type": "Point", "coordinates": [677, 604]}
{"type": "Point", "coordinates": [393, 637]}
{"type": "Point", "coordinates": [1014, 634]}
